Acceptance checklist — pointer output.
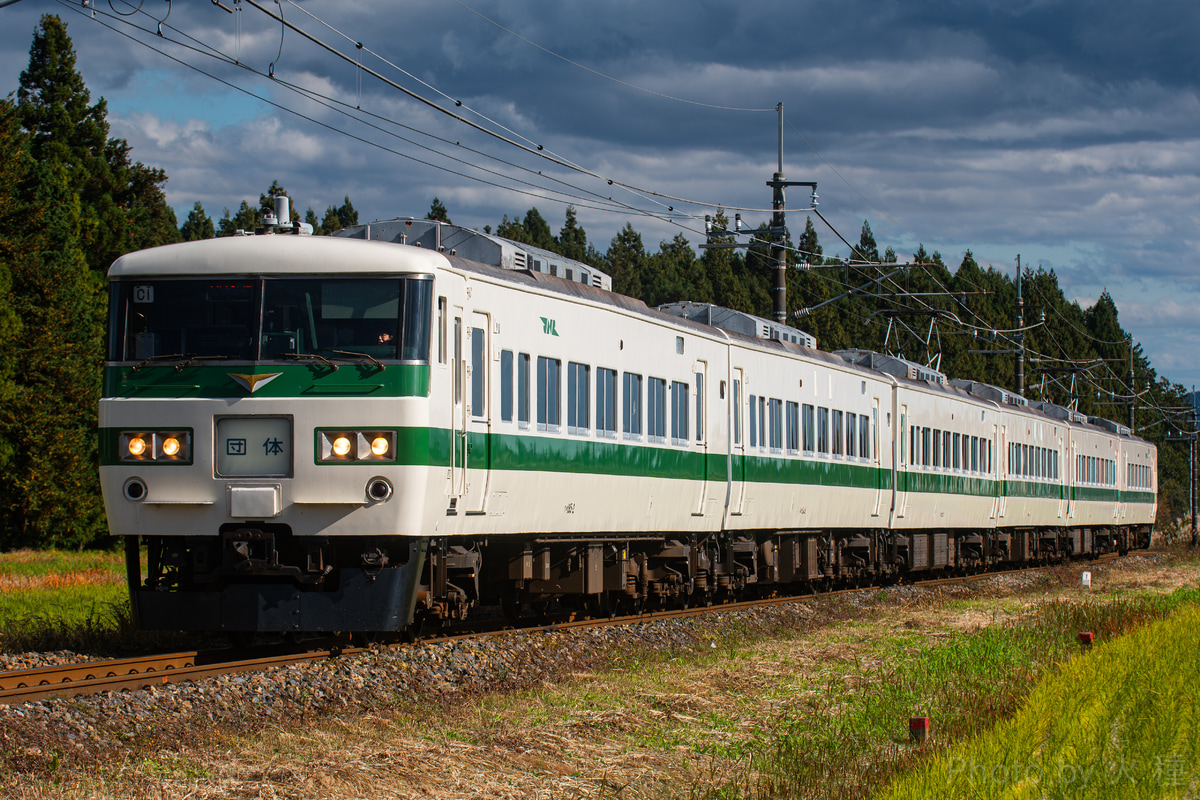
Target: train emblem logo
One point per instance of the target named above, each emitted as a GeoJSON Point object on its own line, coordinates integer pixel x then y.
{"type": "Point", "coordinates": [252, 383]}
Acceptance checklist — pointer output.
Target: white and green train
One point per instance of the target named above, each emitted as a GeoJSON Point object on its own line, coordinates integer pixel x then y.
{"type": "Point", "coordinates": [351, 433]}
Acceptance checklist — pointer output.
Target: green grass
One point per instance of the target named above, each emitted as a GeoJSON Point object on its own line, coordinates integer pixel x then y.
{"type": "Point", "coordinates": [52, 600]}
{"type": "Point", "coordinates": [1122, 721]}
{"type": "Point", "coordinates": [849, 736]}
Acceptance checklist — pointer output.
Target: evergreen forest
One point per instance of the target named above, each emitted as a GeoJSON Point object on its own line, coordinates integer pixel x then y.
{"type": "Point", "coordinates": [72, 200]}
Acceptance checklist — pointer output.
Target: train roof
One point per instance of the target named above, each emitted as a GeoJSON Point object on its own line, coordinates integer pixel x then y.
{"type": "Point", "coordinates": [274, 254]}
{"type": "Point", "coordinates": [301, 254]}
{"type": "Point", "coordinates": [484, 248]}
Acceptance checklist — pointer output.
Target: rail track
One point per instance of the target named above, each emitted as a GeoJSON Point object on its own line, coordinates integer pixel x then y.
{"type": "Point", "coordinates": [128, 674]}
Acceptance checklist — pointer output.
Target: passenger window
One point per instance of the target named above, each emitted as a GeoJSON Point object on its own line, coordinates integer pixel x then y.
{"type": "Point", "coordinates": [606, 401]}
{"type": "Point", "coordinates": [631, 410]}
{"type": "Point", "coordinates": [549, 393]}
{"type": "Point", "coordinates": [506, 385]}
{"type": "Point", "coordinates": [523, 389]}
{"type": "Point", "coordinates": [578, 394]}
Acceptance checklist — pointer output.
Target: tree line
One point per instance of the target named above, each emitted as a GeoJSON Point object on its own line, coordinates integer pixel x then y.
{"type": "Point", "coordinates": [72, 200]}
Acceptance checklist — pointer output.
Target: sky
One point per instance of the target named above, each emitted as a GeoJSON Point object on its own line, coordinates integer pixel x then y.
{"type": "Point", "coordinates": [1066, 132]}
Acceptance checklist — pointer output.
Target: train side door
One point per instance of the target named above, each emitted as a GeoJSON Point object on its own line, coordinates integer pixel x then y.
{"type": "Point", "coordinates": [1058, 479]}
{"type": "Point", "coordinates": [458, 429]}
{"type": "Point", "coordinates": [872, 440]}
{"type": "Point", "coordinates": [700, 401]}
{"type": "Point", "coordinates": [477, 460]}
{"type": "Point", "coordinates": [992, 468]}
{"type": "Point", "coordinates": [1069, 472]}
{"type": "Point", "coordinates": [1002, 466]}
{"type": "Point", "coordinates": [899, 472]}
{"type": "Point", "coordinates": [737, 439]}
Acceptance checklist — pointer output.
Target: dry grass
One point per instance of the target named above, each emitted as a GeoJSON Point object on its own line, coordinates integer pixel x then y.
{"type": "Point", "coordinates": [89, 577]}
{"type": "Point", "coordinates": [653, 730]}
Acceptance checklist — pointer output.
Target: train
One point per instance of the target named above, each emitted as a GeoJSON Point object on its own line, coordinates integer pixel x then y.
{"type": "Point", "coordinates": [408, 420]}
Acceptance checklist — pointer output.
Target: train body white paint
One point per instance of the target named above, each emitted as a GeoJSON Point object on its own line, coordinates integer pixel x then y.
{"type": "Point", "coordinates": [515, 436]}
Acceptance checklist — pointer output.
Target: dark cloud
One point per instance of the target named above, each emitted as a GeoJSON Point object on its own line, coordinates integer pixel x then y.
{"type": "Point", "coordinates": [1064, 130]}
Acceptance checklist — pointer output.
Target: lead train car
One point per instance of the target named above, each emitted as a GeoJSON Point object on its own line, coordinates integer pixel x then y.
{"type": "Point", "coordinates": [331, 434]}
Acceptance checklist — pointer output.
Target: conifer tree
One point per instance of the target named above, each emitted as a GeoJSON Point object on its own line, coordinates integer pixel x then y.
{"type": "Point", "coordinates": [198, 225]}
{"type": "Point", "coordinates": [121, 202]}
{"type": "Point", "coordinates": [437, 211]}
{"type": "Point", "coordinates": [50, 495]}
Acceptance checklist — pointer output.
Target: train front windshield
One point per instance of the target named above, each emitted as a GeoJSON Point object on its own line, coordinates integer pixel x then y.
{"type": "Point", "coordinates": [252, 319]}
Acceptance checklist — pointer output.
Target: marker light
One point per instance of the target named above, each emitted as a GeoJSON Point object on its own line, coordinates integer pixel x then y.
{"type": "Point", "coordinates": [342, 446]}
{"type": "Point", "coordinates": [170, 446]}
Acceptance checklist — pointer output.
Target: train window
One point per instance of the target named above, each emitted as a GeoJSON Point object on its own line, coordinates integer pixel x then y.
{"type": "Point", "coordinates": [753, 421]}
{"type": "Point", "coordinates": [762, 422]}
{"type": "Point", "coordinates": [457, 360]}
{"type": "Point", "coordinates": [203, 317]}
{"type": "Point", "coordinates": [578, 395]}
{"type": "Point", "coordinates": [957, 451]}
{"type": "Point", "coordinates": [912, 446]}
{"type": "Point", "coordinates": [823, 430]}
{"type": "Point", "coordinates": [988, 465]}
{"type": "Point", "coordinates": [793, 428]}
{"type": "Point", "coordinates": [737, 411]}
{"type": "Point", "coordinates": [656, 409]}
{"type": "Point", "coordinates": [776, 408]}
{"type": "Point", "coordinates": [679, 412]}
{"type": "Point", "coordinates": [937, 448]}
{"type": "Point", "coordinates": [506, 385]}
{"type": "Point", "coordinates": [414, 321]}
{"type": "Point", "coordinates": [946, 449]}
{"type": "Point", "coordinates": [851, 435]}
{"type": "Point", "coordinates": [974, 453]}
{"type": "Point", "coordinates": [864, 436]}
{"type": "Point", "coordinates": [606, 401]}
{"type": "Point", "coordinates": [442, 317]}
{"type": "Point", "coordinates": [631, 408]}
{"type": "Point", "coordinates": [478, 373]}
{"type": "Point", "coordinates": [925, 443]}
{"type": "Point", "coordinates": [838, 433]}
{"type": "Point", "coordinates": [523, 389]}
{"type": "Point", "coordinates": [807, 434]}
{"type": "Point", "coordinates": [700, 406]}
{"type": "Point", "coordinates": [549, 393]}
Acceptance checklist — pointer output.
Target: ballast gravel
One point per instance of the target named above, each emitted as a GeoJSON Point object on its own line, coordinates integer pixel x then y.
{"type": "Point", "coordinates": [40, 737]}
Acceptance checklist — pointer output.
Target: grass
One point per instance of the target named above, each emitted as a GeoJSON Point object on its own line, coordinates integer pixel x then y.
{"type": "Point", "coordinates": [1122, 721]}
{"type": "Point", "coordinates": [850, 738]}
{"type": "Point", "coordinates": [59, 600]}
{"type": "Point", "coordinates": [814, 709]}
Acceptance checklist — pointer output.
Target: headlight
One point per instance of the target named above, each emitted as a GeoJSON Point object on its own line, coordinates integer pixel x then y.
{"type": "Point", "coordinates": [356, 447]}
{"type": "Point", "coordinates": [160, 446]}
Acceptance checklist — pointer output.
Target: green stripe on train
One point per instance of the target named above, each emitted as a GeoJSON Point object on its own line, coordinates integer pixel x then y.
{"type": "Point", "coordinates": [585, 456]}
{"type": "Point", "coordinates": [310, 379]}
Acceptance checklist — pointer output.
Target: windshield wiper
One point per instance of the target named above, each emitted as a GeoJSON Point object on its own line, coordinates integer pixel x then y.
{"type": "Point", "coordinates": [185, 359]}
{"type": "Point", "coordinates": [370, 358]}
{"type": "Point", "coordinates": [315, 356]}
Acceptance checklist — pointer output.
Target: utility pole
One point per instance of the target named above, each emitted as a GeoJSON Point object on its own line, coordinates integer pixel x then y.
{"type": "Point", "coordinates": [1133, 400]}
{"type": "Point", "coordinates": [778, 231]}
{"type": "Point", "coordinates": [1020, 335]}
